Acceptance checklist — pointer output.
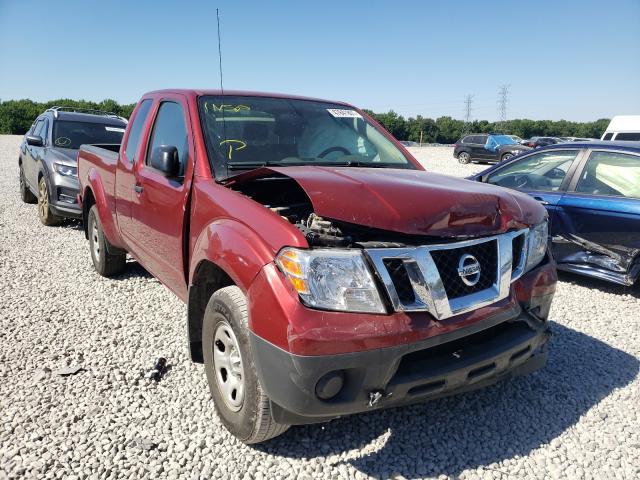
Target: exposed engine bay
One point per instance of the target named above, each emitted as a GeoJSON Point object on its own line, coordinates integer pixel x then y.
{"type": "Point", "coordinates": [284, 196]}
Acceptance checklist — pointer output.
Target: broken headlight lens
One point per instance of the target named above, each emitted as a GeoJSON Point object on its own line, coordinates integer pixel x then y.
{"type": "Point", "coordinates": [331, 279]}
{"type": "Point", "coordinates": [537, 245]}
{"type": "Point", "coordinates": [66, 170]}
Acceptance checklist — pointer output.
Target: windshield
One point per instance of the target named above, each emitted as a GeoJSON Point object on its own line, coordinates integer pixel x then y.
{"type": "Point", "coordinates": [70, 134]}
{"type": "Point", "coordinates": [248, 132]}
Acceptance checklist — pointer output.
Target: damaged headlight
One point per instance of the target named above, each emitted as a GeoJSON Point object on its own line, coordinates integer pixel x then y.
{"type": "Point", "coordinates": [331, 279]}
{"type": "Point", "coordinates": [537, 244]}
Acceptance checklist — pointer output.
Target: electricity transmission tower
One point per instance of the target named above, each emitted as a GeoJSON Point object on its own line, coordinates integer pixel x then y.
{"type": "Point", "coordinates": [468, 101]}
{"type": "Point", "coordinates": [503, 100]}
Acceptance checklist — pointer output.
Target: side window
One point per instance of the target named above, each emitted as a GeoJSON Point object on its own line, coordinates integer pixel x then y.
{"type": "Point", "coordinates": [611, 173]}
{"type": "Point", "coordinates": [607, 136]}
{"type": "Point", "coordinates": [544, 171]}
{"type": "Point", "coordinates": [37, 129]}
{"type": "Point", "coordinates": [136, 129]}
{"type": "Point", "coordinates": [44, 131]}
{"type": "Point", "coordinates": [629, 136]}
{"type": "Point", "coordinates": [467, 139]}
{"type": "Point", "coordinates": [170, 129]}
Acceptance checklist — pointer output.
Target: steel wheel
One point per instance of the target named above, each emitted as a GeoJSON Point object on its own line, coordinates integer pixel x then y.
{"type": "Point", "coordinates": [227, 362]}
{"type": "Point", "coordinates": [95, 241]}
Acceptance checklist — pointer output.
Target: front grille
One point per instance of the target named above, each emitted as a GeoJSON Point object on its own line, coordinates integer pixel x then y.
{"type": "Point", "coordinates": [517, 249]}
{"type": "Point", "coordinates": [400, 279]}
{"type": "Point", "coordinates": [426, 278]}
{"type": "Point", "coordinates": [447, 263]}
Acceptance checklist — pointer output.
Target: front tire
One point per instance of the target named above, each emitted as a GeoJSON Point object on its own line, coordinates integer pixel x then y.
{"type": "Point", "coordinates": [47, 217]}
{"type": "Point", "coordinates": [506, 156]}
{"type": "Point", "coordinates": [25, 193]}
{"type": "Point", "coordinates": [105, 263]}
{"type": "Point", "coordinates": [239, 400]}
{"type": "Point", "coordinates": [464, 157]}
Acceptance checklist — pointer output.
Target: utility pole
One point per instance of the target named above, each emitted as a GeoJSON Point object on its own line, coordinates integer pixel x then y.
{"type": "Point", "coordinates": [421, 131]}
{"type": "Point", "coordinates": [468, 101]}
{"type": "Point", "coordinates": [503, 101]}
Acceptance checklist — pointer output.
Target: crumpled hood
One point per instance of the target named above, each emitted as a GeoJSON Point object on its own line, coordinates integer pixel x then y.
{"type": "Point", "coordinates": [68, 156]}
{"type": "Point", "coordinates": [413, 202]}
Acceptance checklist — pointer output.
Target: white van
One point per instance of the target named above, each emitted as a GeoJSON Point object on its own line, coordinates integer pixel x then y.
{"type": "Point", "coordinates": [623, 127]}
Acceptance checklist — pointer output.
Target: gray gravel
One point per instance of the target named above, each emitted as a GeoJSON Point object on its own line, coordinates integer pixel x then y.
{"type": "Point", "coordinates": [74, 403]}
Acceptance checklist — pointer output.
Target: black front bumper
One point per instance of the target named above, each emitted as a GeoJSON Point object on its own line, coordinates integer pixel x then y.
{"type": "Point", "coordinates": [473, 357]}
{"type": "Point", "coordinates": [63, 192]}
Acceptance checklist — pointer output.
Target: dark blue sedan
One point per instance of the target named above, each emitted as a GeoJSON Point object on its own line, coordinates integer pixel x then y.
{"type": "Point", "coordinates": [592, 193]}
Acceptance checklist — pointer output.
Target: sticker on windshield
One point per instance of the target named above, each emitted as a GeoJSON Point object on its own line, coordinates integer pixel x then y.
{"type": "Point", "coordinates": [340, 113]}
{"type": "Point", "coordinates": [114, 129]}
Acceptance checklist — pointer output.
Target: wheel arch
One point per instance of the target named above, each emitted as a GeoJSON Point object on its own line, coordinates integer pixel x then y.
{"type": "Point", "coordinates": [208, 278]}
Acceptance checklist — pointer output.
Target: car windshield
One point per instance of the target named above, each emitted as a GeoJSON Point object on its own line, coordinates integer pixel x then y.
{"type": "Point", "coordinates": [503, 139]}
{"type": "Point", "coordinates": [245, 132]}
{"type": "Point", "coordinates": [72, 134]}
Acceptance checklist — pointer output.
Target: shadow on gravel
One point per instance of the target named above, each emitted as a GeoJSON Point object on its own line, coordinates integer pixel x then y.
{"type": "Point", "coordinates": [601, 285]}
{"type": "Point", "coordinates": [449, 435]}
{"type": "Point", "coordinates": [133, 270]}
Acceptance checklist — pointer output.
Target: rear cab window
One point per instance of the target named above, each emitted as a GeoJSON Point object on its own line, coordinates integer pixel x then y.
{"type": "Point", "coordinates": [133, 140]}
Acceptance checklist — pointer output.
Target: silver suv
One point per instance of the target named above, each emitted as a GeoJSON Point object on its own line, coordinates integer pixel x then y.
{"type": "Point", "coordinates": [48, 157]}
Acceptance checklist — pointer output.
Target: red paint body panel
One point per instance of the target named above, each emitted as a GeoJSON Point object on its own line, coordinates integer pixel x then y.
{"type": "Point", "coordinates": [172, 227]}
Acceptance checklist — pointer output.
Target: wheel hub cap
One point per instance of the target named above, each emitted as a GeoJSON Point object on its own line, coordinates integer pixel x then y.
{"type": "Point", "coordinates": [229, 370]}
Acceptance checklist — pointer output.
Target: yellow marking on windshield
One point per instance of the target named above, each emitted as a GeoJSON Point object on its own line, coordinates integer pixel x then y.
{"type": "Point", "coordinates": [231, 144]}
{"type": "Point", "coordinates": [226, 107]}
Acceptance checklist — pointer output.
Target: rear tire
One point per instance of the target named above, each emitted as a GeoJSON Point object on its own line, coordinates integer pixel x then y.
{"type": "Point", "coordinates": [464, 157]}
{"type": "Point", "coordinates": [25, 193]}
{"type": "Point", "coordinates": [45, 214]}
{"type": "Point", "coordinates": [239, 400]}
{"type": "Point", "coordinates": [105, 263]}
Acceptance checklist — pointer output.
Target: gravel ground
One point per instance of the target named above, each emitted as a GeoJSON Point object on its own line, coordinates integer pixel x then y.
{"type": "Point", "coordinates": [577, 418]}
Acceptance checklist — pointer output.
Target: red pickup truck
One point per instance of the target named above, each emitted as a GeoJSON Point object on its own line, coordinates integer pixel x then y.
{"type": "Point", "coordinates": [324, 271]}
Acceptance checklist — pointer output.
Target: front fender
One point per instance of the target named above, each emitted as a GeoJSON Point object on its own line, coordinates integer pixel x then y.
{"type": "Point", "coordinates": [233, 247]}
{"type": "Point", "coordinates": [105, 205]}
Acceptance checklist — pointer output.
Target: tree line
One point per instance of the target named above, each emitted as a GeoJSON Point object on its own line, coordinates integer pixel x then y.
{"type": "Point", "coordinates": [16, 116]}
{"type": "Point", "coordinates": [449, 130]}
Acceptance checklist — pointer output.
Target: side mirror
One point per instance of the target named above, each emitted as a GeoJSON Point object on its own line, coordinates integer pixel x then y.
{"type": "Point", "coordinates": [34, 141]}
{"type": "Point", "coordinates": [165, 158]}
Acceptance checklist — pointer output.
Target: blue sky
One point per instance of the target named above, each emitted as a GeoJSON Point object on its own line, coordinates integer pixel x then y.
{"type": "Point", "coordinates": [577, 60]}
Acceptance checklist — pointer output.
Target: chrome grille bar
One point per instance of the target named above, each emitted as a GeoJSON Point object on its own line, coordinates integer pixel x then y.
{"type": "Point", "coordinates": [427, 284]}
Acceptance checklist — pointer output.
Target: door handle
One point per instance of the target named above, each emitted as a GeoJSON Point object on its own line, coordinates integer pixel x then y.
{"type": "Point", "coordinates": [541, 200]}
{"type": "Point", "coordinates": [138, 188]}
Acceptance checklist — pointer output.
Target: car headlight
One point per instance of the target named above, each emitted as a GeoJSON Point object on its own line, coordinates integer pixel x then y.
{"type": "Point", "coordinates": [537, 244]}
{"type": "Point", "coordinates": [66, 170]}
{"type": "Point", "coordinates": [331, 279]}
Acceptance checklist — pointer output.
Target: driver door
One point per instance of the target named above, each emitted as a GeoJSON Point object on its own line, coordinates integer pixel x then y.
{"type": "Point", "coordinates": [543, 175]}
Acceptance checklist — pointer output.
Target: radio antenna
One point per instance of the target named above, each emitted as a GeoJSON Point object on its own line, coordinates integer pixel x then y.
{"type": "Point", "coordinates": [224, 124]}
{"type": "Point", "coordinates": [219, 52]}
